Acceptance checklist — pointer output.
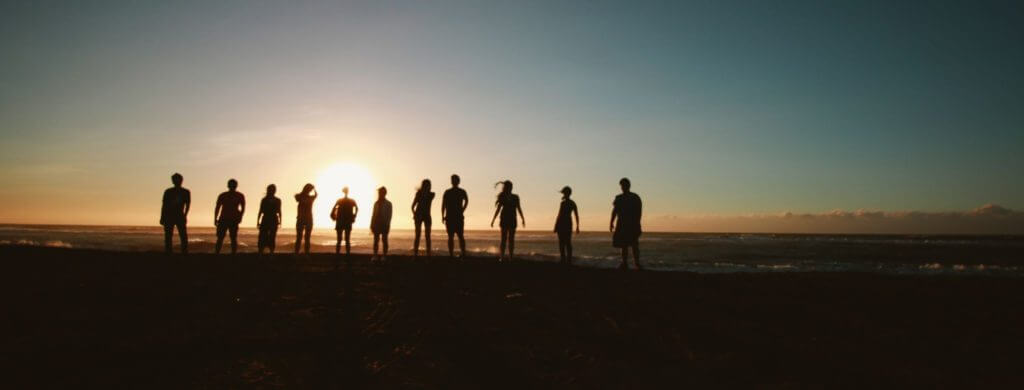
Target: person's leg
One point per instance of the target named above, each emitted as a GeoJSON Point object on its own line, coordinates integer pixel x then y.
{"type": "Point", "coordinates": [348, 241]}
{"type": "Point", "coordinates": [451, 243]}
{"type": "Point", "coordinates": [183, 236]}
{"type": "Point", "coordinates": [385, 238]}
{"type": "Point", "coordinates": [426, 231]}
{"type": "Point", "coordinates": [261, 239]}
{"type": "Point", "coordinates": [504, 243]}
{"type": "Point", "coordinates": [298, 236]}
{"type": "Point", "coordinates": [168, 233]}
{"type": "Point", "coordinates": [337, 243]}
{"type": "Point", "coordinates": [416, 241]}
{"type": "Point", "coordinates": [376, 242]}
{"type": "Point", "coordinates": [561, 248]}
{"type": "Point", "coordinates": [462, 243]}
{"type": "Point", "coordinates": [511, 243]}
{"type": "Point", "coordinates": [568, 248]}
{"type": "Point", "coordinates": [636, 255]}
{"type": "Point", "coordinates": [307, 233]}
{"type": "Point", "coordinates": [233, 231]}
{"type": "Point", "coordinates": [221, 230]}
{"type": "Point", "coordinates": [272, 239]}
{"type": "Point", "coordinates": [625, 255]}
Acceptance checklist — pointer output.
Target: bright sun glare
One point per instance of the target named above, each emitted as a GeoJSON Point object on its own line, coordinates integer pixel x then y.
{"type": "Point", "coordinates": [329, 183]}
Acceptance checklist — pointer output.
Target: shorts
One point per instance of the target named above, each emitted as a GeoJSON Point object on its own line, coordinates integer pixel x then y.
{"type": "Point", "coordinates": [455, 225]}
{"type": "Point", "coordinates": [422, 218]}
{"type": "Point", "coordinates": [626, 236]}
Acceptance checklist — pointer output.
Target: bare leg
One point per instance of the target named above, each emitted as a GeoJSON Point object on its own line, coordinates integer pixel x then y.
{"type": "Point", "coordinates": [625, 255]}
{"type": "Point", "coordinates": [348, 241]}
{"type": "Point", "coordinates": [233, 231]}
{"type": "Point", "coordinates": [221, 231]}
{"type": "Point", "coordinates": [376, 242]}
{"type": "Point", "coordinates": [636, 256]}
{"type": "Point", "coordinates": [451, 245]}
{"type": "Point", "coordinates": [183, 236]}
{"type": "Point", "coordinates": [416, 241]}
{"type": "Point", "coordinates": [426, 230]}
{"type": "Point", "coordinates": [568, 250]}
{"type": "Point", "coordinates": [337, 243]}
{"type": "Point", "coordinates": [462, 244]}
{"type": "Point", "coordinates": [168, 235]}
{"type": "Point", "coordinates": [385, 238]}
{"type": "Point", "coordinates": [308, 233]}
{"type": "Point", "coordinates": [504, 241]}
{"type": "Point", "coordinates": [298, 237]}
{"type": "Point", "coordinates": [511, 244]}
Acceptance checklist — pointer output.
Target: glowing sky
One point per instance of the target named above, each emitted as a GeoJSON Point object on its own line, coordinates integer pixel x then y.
{"type": "Point", "coordinates": [715, 109]}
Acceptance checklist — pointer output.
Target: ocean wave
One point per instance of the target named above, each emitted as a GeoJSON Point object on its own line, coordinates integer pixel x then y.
{"type": "Point", "coordinates": [48, 244]}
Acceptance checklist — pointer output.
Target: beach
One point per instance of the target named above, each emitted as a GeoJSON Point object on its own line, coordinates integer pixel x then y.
{"type": "Point", "coordinates": [142, 319]}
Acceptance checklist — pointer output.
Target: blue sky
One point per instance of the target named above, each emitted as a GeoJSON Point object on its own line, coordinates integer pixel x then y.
{"type": "Point", "coordinates": [711, 107]}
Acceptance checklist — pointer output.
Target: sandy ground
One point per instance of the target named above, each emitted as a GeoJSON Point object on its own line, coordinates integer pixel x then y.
{"type": "Point", "coordinates": [77, 318]}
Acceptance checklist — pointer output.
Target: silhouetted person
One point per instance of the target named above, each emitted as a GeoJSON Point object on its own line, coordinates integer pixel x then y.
{"type": "Point", "coordinates": [563, 225]}
{"type": "Point", "coordinates": [507, 205]}
{"type": "Point", "coordinates": [304, 218]}
{"type": "Point", "coordinates": [380, 222]}
{"type": "Point", "coordinates": [268, 220]}
{"type": "Point", "coordinates": [174, 213]}
{"type": "Point", "coordinates": [228, 214]}
{"type": "Point", "coordinates": [627, 208]}
{"type": "Point", "coordinates": [344, 214]}
{"type": "Point", "coordinates": [453, 208]}
{"type": "Point", "coordinates": [421, 215]}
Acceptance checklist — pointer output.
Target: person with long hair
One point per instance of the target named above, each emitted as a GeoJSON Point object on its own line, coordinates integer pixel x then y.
{"type": "Point", "coordinates": [380, 222]}
{"type": "Point", "coordinates": [563, 225]}
{"type": "Point", "coordinates": [507, 205]}
{"type": "Point", "coordinates": [304, 218]}
{"type": "Point", "coordinates": [421, 216]}
{"type": "Point", "coordinates": [268, 219]}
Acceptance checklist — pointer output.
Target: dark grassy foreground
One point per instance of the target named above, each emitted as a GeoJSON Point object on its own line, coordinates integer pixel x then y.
{"type": "Point", "coordinates": [85, 318]}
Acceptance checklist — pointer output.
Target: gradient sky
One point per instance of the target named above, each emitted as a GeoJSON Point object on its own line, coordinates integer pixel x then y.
{"type": "Point", "coordinates": [712, 108]}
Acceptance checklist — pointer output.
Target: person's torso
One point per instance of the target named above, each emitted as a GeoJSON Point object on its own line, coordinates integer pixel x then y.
{"type": "Point", "coordinates": [305, 206]}
{"type": "Point", "coordinates": [565, 213]}
{"type": "Point", "coordinates": [346, 210]}
{"type": "Point", "coordinates": [174, 201]}
{"type": "Point", "coordinates": [453, 198]}
{"type": "Point", "coordinates": [509, 204]}
{"type": "Point", "coordinates": [628, 206]}
{"type": "Point", "coordinates": [270, 207]}
{"type": "Point", "coordinates": [231, 203]}
{"type": "Point", "coordinates": [423, 202]}
{"type": "Point", "coordinates": [382, 213]}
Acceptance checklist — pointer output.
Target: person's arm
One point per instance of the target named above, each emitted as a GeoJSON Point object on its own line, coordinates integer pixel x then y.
{"type": "Point", "coordinates": [216, 211]}
{"type": "Point", "coordinates": [413, 207]}
{"type": "Point", "coordinates": [279, 216]}
{"type": "Point", "coordinates": [241, 212]}
{"type": "Point", "coordinates": [188, 201]}
{"type": "Point", "coordinates": [355, 210]}
{"type": "Point", "coordinates": [519, 207]}
{"type": "Point", "coordinates": [334, 212]}
{"type": "Point", "coordinates": [615, 213]}
{"type": "Point", "coordinates": [259, 216]}
{"type": "Point", "coordinates": [444, 208]}
{"type": "Point", "coordinates": [577, 214]}
{"type": "Point", "coordinates": [496, 211]}
{"type": "Point", "coordinates": [465, 202]}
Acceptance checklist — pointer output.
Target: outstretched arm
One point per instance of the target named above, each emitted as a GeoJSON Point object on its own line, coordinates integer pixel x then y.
{"type": "Point", "coordinates": [496, 211]}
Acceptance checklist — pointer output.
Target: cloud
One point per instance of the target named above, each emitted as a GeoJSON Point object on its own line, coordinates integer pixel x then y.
{"type": "Point", "coordinates": [987, 219]}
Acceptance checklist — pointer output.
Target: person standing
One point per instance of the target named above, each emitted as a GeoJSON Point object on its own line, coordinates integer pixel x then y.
{"type": "Point", "coordinates": [627, 208]}
{"type": "Point", "coordinates": [304, 217]}
{"type": "Point", "coordinates": [344, 214]}
{"type": "Point", "coordinates": [453, 208]}
{"type": "Point", "coordinates": [380, 222]}
{"type": "Point", "coordinates": [268, 220]}
{"type": "Point", "coordinates": [174, 213]}
{"type": "Point", "coordinates": [228, 214]}
{"type": "Point", "coordinates": [421, 215]}
{"type": "Point", "coordinates": [507, 205]}
{"type": "Point", "coordinates": [563, 225]}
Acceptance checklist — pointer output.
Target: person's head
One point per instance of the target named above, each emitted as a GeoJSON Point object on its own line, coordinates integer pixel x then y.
{"type": "Point", "coordinates": [425, 185]}
{"type": "Point", "coordinates": [506, 189]}
{"type": "Point", "coordinates": [232, 184]}
{"type": "Point", "coordinates": [382, 192]}
{"type": "Point", "coordinates": [177, 179]}
{"type": "Point", "coordinates": [344, 190]}
{"type": "Point", "coordinates": [271, 190]}
{"type": "Point", "coordinates": [456, 180]}
{"type": "Point", "coordinates": [624, 183]}
{"type": "Point", "coordinates": [306, 189]}
{"type": "Point", "coordinates": [566, 192]}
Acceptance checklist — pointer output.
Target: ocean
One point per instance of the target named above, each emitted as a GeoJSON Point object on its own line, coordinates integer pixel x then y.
{"type": "Point", "coordinates": [689, 252]}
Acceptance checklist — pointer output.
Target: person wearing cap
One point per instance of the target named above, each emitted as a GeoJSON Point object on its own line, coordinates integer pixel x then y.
{"type": "Point", "coordinates": [563, 225]}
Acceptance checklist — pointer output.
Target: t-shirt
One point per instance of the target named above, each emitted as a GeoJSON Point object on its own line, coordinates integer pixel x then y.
{"type": "Point", "coordinates": [422, 202]}
{"type": "Point", "coordinates": [563, 222]}
{"type": "Point", "coordinates": [305, 213]}
{"type": "Point", "coordinates": [173, 208]}
{"type": "Point", "coordinates": [232, 202]}
{"type": "Point", "coordinates": [346, 211]}
{"type": "Point", "coordinates": [628, 207]}
{"type": "Point", "coordinates": [380, 221]}
{"type": "Point", "coordinates": [270, 207]}
{"type": "Point", "coordinates": [509, 203]}
{"type": "Point", "coordinates": [452, 200]}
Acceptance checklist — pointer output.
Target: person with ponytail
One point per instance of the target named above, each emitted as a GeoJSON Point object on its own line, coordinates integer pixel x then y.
{"type": "Point", "coordinates": [421, 215]}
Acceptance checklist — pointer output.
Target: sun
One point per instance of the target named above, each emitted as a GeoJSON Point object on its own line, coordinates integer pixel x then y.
{"type": "Point", "coordinates": [330, 181]}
